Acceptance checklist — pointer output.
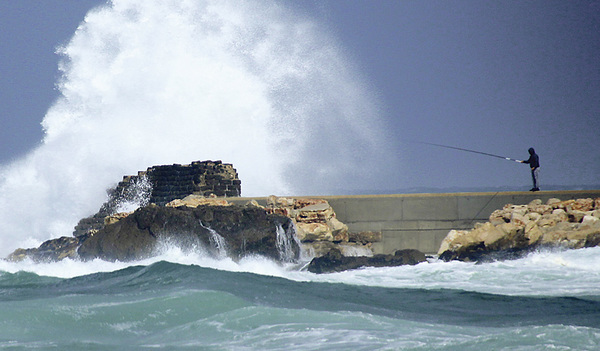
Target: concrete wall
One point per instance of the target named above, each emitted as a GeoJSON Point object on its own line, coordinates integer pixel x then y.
{"type": "Point", "coordinates": [421, 221]}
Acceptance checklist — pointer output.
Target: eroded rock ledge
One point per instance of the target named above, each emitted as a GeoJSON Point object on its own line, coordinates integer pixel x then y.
{"type": "Point", "coordinates": [219, 231]}
{"type": "Point", "coordinates": [162, 184]}
{"type": "Point", "coordinates": [213, 226]}
{"type": "Point", "coordinates": [519, 229]}
{"type": "Point", "coordinates": [210, 226]}
{"type": "Point", "coordinates": [317, 228]}
{"type": "Point", "coordinates": [186, 206]}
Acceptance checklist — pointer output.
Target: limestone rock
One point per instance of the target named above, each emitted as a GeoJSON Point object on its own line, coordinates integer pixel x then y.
{"type": "Point", "coordinates": [576, 216]}
{"type": "Point", "coordinates": [536, 206]}
{"type": "Point", "coordinates": [339, 230]}
{"type": "Point", "coordinates": [253, 203]}
{"type": "Point", "coordinates": [198, 200]}
{"type": "Point", "coordinates": [552, 201]}
{"type": "Point", "coordinates": [589, 220]}
{"type": "Point", "coordinates": [313, 232]}
{"type": "Point", "coordinates": [533, 233]}
{"type": "Point", "coordinates": [517, 229]}
{"type": "Point", "coordinates": [315, 213]}
{"type": "Point", "coordinates": [115, 217]}
{"type": "Point", "coordinates": [583, 205]}
{"type": "Point", "coordinates": [315, 220]}
{"type": "Point", "coordinates": [452, 241]}
{"type": "Point", "coordinates": [318, 228]}
{"type": "Point", "coordinates": [498, 217]}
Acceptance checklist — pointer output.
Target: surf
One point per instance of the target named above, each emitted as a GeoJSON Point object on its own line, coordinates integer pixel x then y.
{"type": "Point", "coordinates": [548, 273]}
{"type": "Point", "coordinates": [142, 83]}
{"type": "Point", "coordinates": [433, 305]}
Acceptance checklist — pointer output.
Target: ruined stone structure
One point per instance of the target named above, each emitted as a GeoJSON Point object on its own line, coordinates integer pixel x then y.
{"type": "Point", "coordinates": [198, 178]}
{"type": "Point", "coordinates": [162, 184]}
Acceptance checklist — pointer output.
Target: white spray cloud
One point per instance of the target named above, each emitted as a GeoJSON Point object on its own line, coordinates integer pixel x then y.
{"type": "Point", "coordinates": [174, 81]}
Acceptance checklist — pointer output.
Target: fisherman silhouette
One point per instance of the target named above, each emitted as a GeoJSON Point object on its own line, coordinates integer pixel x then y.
{"type": "Point", "coordinates": [534, 163]}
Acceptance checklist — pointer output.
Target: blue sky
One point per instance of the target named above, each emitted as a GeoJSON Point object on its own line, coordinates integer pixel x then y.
{"type": "Point", "coordinates": [30, 31]}
{"type": "Point", "coordinates": [493, 76]}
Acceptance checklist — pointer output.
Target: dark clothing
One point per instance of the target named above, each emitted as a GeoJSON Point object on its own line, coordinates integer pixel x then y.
{"type": "Point", "coordinates": [534, 175]}
{"type": "Point", "coordinates": [534, 160]}
{"type": "Point", "coordinates": [534, 163]}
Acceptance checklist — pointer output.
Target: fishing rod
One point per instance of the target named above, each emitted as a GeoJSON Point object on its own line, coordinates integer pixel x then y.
{"type": "Point", "coordinates": [473, 151]}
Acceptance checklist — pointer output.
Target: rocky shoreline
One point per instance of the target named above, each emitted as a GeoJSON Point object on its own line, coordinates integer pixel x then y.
{"type": "Point", "coordinates": [288, 227]}
{"type": "Point", "coordinates": [516, 230]}
{"type": "Point", "coordinates": [280, 231]}
{"type": "Point", "coordinates": [291, 230]}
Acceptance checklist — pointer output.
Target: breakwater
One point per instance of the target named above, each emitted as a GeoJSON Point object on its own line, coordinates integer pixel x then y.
{"type": "Point", "coordinates": [422, 221]}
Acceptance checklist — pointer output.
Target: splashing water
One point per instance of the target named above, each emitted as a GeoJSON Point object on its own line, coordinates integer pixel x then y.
{"type": "Point", "coordinates": [217, 241]}
{"type": "Point", "coordinates": [285, 240]}
{"type": "Point", "coordinates": [137, 195]}
{"type": "Point", "coordinates": [147, 82]}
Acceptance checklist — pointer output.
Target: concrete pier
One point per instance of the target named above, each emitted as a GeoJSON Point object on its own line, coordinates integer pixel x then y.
{"type": "Point", "coordinates": [421, 221]}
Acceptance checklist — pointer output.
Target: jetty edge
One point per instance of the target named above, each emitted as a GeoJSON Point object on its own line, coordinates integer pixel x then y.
{"type": "Point", "coordinates": [422, 221]}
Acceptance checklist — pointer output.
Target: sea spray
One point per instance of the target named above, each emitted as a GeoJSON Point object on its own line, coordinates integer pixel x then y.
{"type": "Point", "coordinates": [217, 241]}
{"type": "Point", "coordinates": [549, 273]}
{"type": "Point", "coordinates": [355, 250]}
{"type": "Point", "coordinates": [285, 242]}
{"type": "Point", "coordinates": [161, 82]}
{"type": "Point", "coordinates": [136, 195]}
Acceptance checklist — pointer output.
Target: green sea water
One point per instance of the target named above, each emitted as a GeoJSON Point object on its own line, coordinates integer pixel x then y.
{"type": "Point", "coordinates": [259, 305]}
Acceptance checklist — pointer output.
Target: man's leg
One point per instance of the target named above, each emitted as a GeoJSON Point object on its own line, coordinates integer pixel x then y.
{"type": "Point", "coordinates": [534, 176]}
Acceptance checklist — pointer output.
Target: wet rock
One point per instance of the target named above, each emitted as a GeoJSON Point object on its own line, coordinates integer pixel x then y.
{"type": "Point", "coordinates": [317, 224]}
{"type": "Point", "coordinates": [163, 184]}
{"type": "Point", "coordinates": [335, 261]}
{"type": "Point", "coordinates": [518, 229]}
{"type": "Point", "coordinates": [243, 230]}
{"type": "Point", "coordinates": [49, 251]}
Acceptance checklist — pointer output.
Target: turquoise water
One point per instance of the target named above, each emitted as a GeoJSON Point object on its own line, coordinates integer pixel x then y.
{"type": "Point", "coordinates": [220, 89]}
{"type": "Point", "coordinates": [192, 303]}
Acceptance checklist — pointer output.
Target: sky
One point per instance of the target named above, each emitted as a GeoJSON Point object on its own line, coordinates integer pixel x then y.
{"type": "Point", "coordinates": [491, 76]}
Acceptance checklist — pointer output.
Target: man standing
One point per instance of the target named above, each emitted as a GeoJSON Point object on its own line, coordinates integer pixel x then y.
{"type": "Point", "coordinates": [534, 163]}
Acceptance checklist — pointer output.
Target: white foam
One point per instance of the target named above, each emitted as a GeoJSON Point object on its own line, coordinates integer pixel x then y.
{"type": "Point", "coordinates": [545, 273]}
{"type": "Point", "coordinates": [174, 81]}
{"type": "Point", "coordinates": [68, 268]}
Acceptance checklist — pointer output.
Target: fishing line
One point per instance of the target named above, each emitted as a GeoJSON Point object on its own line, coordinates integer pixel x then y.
{"type": "Point", "coordinates": [468, 150]}
{"type": "Point", "coordinates": [484, 206]}
{"type": "Point", "coordinates": [475, 152]}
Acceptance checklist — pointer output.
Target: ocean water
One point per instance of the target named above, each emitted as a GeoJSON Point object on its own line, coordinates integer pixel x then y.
{"type": "Point", "coordinates": [259, 85]}
{"type": "Point", "coordinates": [547, 300]}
